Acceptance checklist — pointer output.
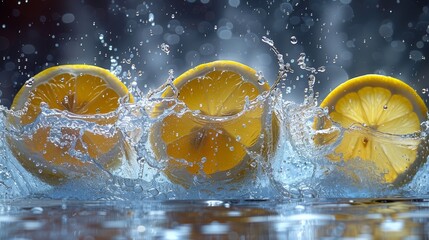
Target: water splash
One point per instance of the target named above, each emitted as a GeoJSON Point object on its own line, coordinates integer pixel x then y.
{"type": "Point", "coordinates": [297, 167]}
{"type": "Point", "coordinates": [300, 167]}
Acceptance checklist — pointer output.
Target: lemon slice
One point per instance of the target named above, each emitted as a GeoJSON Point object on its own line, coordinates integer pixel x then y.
{"type": "Point", "coordinates": [382, 117]}
{"type": "Point", "coordinates": [216, 142]}
{"type": "Point", "coordinates": [82, 91]}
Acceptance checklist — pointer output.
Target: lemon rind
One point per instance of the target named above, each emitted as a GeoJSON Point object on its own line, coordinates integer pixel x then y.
{"type": "Point", "coordinates": [394, 85]}
{"type": "Point", "coordinates": [76, 69]}
{"type": "Point", "coordinates": [249, 74]}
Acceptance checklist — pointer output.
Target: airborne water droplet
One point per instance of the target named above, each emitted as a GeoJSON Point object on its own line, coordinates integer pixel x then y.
{"type": "Point", "coordinates": [151, 17]}
{"type": "Point", "coordinates": [165, 48]}
{"type": "Point", "coordinates": [267, 41]}
{"type": "Point", "coordinates": [321, 69]}
{"type": "Point", "coordinates": [293, 40]}
{"type": "Point", "coordinates": [29, 83]}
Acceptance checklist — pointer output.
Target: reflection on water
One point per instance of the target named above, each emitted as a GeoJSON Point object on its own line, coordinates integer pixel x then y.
{"type": "Point", "coordinates": [215, 219]}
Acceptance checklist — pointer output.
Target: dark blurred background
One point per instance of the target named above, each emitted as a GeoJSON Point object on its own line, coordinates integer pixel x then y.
{"type": "Point", "coordinates": [141, 40]}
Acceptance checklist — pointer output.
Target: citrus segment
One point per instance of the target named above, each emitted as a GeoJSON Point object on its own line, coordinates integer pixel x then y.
{"type": "Point", "coordinates": [82, 91]}
{"type": "Point", "coordinates": [375, 110]}
{"type": "Point", "coordinates": [229, 121]}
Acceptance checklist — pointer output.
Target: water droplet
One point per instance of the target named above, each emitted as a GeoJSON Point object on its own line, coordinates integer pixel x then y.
{"type": "Point", "coordinates": [29, 83]}
{"type": "Point", "coordinates": [321, 69]}
{"type": "Point", "coordinates": [151, 17]}
{"type": "Point", "coordinates": [267, 41]}
{"type": "Point", "coordinates": [165, 48]}
{"type": "Point", "coordinates": [253, 164]}
{"type": "Point", "coordinates": [261, 79]}
{"type": "Point", "coordinates": [311, 80]}
{"type": "Point", "coordinates": [68, 18]}
{"type": "Point", "coordinates": [231, 148]}
{"type": "Point", "coordinates": [385, 107]}
{"type": "Point", "coordinates": [293, 40]}
{"type": "Point", "coordinates": [170, 76]}
{"type": "Point", "coordinates": [37, 210]}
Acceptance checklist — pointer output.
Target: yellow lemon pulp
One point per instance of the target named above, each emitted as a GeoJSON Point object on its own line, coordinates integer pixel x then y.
{"type": "Point", "coordinates": [217, 139]}
{"type": "Point", "coordinates": [375, 109]}
{"type": "Point", "coordinates": [83, 91]}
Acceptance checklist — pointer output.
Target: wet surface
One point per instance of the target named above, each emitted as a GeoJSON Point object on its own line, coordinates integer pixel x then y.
{"type": "Point", "coordinates": [392, 218]}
